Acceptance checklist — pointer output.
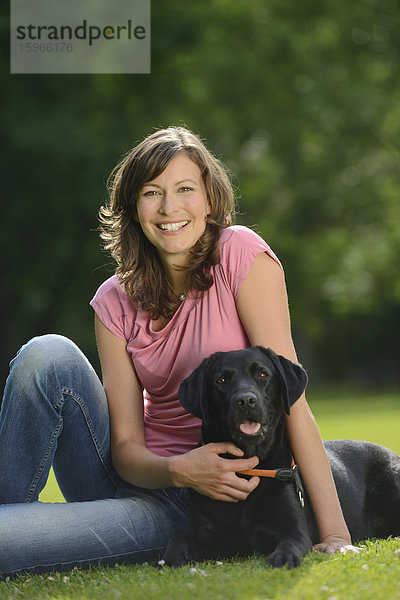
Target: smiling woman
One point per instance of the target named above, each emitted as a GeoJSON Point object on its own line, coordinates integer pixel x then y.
{"type": "Point", "coordinates": [187, 284]}
{"type": "Point", "coordinates": [180, 198]}
{"type": "Point", "coordinates": [172, 211]}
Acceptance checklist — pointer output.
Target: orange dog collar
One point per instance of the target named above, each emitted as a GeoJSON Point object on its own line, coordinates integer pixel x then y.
{"type": "Point", "coordinates": [288, 475]}
{"type": "Point", "coordinates": [282, 474]}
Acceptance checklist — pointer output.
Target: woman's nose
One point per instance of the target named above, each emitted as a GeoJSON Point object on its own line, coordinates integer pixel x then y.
{"type": "Point", "coordinates": [168, 204]}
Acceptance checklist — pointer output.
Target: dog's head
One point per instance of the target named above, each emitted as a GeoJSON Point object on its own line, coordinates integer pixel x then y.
{"type": "Point", "coordinates": [241, 396]}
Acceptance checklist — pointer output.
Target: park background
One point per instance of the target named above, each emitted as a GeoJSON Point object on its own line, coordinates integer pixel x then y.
{"type": "Point", "coordinates": [299, 99]}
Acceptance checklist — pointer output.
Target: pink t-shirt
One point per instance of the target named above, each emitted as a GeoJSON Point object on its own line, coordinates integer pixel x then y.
{"type": "Point", "coordinates": [203, 324]}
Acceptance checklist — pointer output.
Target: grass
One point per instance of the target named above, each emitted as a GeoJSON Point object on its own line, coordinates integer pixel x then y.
{"type": "Point", "coordinates": [359, 416]}
{"type": "Point", "coordinates": [372, 574]}
{"type": "Point", "coordinates": [51, 493]}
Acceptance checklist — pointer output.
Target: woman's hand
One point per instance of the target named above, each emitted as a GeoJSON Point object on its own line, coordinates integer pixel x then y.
{"type": "Point", "coordinates": [206, 472]}
{"type": "Point", "coordinates": [333, 543]}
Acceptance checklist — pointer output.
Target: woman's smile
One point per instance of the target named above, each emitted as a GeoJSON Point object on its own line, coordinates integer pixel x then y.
{"type": "Point", "coordinates": [172, 226]}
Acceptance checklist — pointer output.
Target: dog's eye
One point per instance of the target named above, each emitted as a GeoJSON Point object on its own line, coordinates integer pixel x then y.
{"type": "Point", "coordinates": [221, 380]}
{"type": "Point", "coordinates": [262, 375]}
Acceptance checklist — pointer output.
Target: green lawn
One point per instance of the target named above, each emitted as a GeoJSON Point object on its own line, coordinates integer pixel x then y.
{"type": "Point", "coordinates": [374, 574]}
{"type": "Point", "coordinates": [358, 416]}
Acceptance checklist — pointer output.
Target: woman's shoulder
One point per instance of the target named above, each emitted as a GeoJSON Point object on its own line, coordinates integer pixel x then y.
{"type": "Point", "coordinates": [238, 248]}
{"type": "Point", "coordinates": [111, 294]}
{"type": "Point", "coordinates": [238, 241]}
{"type": "Point", "coordinates": [239, 234]}
{"type": "Point", "coordinates": [114, 307]}
{"type": "Point", "coordinates": [112, 284]}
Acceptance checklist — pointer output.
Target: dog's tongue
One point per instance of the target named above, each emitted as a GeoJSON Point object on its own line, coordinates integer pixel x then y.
{"type": "Point", "coordinates": [249, 427]}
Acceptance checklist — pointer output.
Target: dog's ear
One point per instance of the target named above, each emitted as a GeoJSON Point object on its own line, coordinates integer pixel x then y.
{"type": "Point", "coordinates": [193, 391]}
{"type": "Point", "coordinates": [292, 377]}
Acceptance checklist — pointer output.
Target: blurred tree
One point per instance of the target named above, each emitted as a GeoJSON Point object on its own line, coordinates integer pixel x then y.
{"type": "Point", "coordinates": [300, 100]}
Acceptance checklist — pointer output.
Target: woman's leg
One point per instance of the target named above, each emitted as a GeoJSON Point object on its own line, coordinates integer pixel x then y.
{"type": "Point", "coordinates": [54, 411]}
{"type": "Point", "coordinates": [40, 537]}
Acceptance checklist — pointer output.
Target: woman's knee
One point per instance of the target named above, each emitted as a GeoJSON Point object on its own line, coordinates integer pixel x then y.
{"type": "Point", "coordinates": [48, 367]}
{"type": "Point", "coordinates": [42, 351]}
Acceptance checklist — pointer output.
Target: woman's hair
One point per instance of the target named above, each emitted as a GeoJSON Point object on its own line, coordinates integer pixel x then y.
{"type": "Point", "coordinates": [138, 264]}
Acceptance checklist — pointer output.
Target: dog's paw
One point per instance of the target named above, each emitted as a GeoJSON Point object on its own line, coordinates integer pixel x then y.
{"type": "Point", "coordinates": [176, 554]}
{"type": "Point", "coordinates": [280, 559]}
{"type": "Point", "coordinates": [174, 559]}
{"type": "Point", "coordinates": [175, 562]}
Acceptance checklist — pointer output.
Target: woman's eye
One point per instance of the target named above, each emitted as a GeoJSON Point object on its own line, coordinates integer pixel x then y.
{"type": "Point", "coordinates": [150, 193]}
{"type": "Point", "coordinates": [261, 375]}
{"type": "Point", "coordinates": [185, 188]}
{"type": "Point", "coordinates": [221, 380]}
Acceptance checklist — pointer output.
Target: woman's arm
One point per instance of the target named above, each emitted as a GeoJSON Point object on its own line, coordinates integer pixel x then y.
{"type": "Point", "coordinates": [263, 309]}
{"type": "Point", "coordinates": [202, 469]}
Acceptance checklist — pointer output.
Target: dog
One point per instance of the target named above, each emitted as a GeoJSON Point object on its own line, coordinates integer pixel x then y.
{"type": "Point", "coordinates": [242, 397]}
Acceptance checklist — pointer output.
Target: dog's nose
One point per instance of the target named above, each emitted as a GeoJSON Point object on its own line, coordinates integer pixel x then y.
{"type": "Point", "coordinates": [247, 401]}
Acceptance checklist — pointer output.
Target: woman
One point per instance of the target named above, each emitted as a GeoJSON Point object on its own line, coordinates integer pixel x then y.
{"type": "Point", "coordinates": [187, 284]}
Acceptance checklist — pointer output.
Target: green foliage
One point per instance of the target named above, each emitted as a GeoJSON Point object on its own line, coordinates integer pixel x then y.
{"type": "Point", "coordinates": [299, 99]}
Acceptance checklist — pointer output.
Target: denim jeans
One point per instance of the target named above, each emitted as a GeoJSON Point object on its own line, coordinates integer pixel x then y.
{"type": "Point", "coordinates": [54, 413]}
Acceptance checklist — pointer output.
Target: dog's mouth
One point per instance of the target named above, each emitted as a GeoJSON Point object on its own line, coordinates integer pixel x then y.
{"type": "Point", "coordinates": [249, 427]}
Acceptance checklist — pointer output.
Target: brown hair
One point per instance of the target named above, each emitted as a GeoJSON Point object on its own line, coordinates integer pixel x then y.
{"type": "Point", "coordinates": [138, 264]}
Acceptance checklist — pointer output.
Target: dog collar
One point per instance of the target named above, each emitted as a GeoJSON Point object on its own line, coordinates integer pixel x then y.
{"type": "Point", "coordinates": [281, 474]}
{"type": "Point", "coordinates": [290, 475]}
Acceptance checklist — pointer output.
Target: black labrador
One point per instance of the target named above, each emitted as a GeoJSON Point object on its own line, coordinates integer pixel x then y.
{"type": "Point", "coordinates": [242, 397]}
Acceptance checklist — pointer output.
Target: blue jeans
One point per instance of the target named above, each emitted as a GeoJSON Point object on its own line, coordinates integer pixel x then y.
{"type": "Point", "coordinates": [54, 413]}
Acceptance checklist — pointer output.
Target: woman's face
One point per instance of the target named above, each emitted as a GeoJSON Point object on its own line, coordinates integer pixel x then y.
{"type": "Point", "coordinates": [172, 209]}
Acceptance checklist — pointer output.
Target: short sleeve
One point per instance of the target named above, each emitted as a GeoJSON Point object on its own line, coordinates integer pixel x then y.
{"type": "Point", "coordinates": [114, 308]}
{"type": "Point", "coordinates": [239, 247]}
